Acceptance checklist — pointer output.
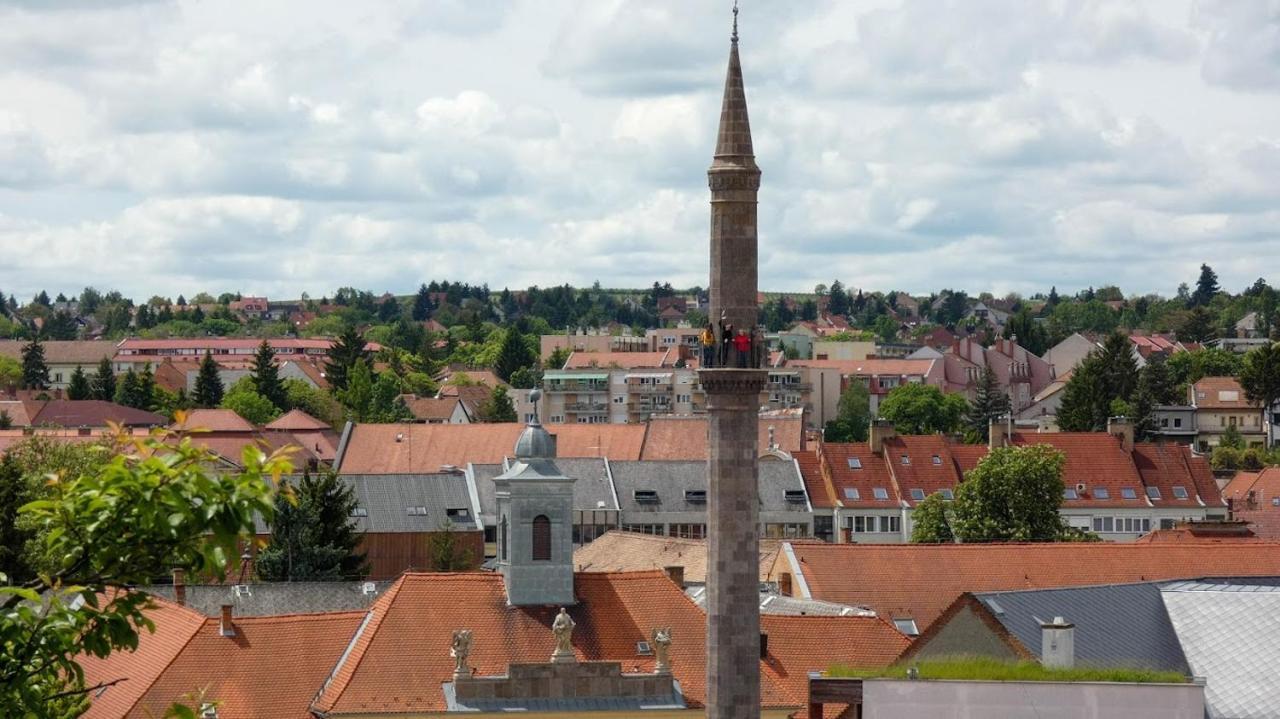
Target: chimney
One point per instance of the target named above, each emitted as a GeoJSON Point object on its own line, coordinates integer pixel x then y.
{"type": "Point", "coordinates": [675, 573]}
{"type": "Point", "coordinates": [1121, 427]}
{"type": "Point", "coordinates": [999, 432]}
{"type": "Point", "coordinates": [1058, 644]}
{"type": "Point", "coordinates": [764, 644]}
{"type": "Point", "coordinates": [881, 429]}
{"type": "Point", "coordinates": [227, 629]}
{"type": "Point", "coordinates": [180, 587]}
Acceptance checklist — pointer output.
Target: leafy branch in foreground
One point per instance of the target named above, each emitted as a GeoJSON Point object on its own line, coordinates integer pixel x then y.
{"type": "Point", "coordinates": [155, 506]}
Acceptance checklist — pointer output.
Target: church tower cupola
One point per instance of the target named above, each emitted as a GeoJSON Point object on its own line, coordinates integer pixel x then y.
{"type": "Point", "coordinates": [535, 521]}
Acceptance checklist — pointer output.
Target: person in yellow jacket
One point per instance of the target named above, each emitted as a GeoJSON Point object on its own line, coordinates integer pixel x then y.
{"type": "Point", "coordinates": [707, 341]}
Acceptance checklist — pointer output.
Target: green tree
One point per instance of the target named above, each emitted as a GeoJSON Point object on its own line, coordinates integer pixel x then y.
{"type": "Point", "coordinates": [35, 372]}
{"type": "Point", "coordinates": [266, 376]}
{"type": "Point", "coordinates": [1107, 375]}
{"type": "Point", "coordinates": [357, 397]}
{"type": "Point", "coordinates": [104, 381]}
{"type": "Point", "coordinates": [153, 508]}
{"type": "Point", "coordinates": [853, 416]}
{"type": "Point", "coordinates": [314, 401]}
{"type": "Point", "coordinates": [15, 491]}
{"type": "Point", "coordinates": [1013, 495]}
{"type": "Point", "coordinates": [1206, 287]}
{"type": "Point", "coordinates": [1260, 378]}
{"type": "Point", "coordinates": [1197, 326]}
{"type": "Point", "coordinates": [1232, 438]}
{"type": "Point", "coordinates": [313, 537]}
{"type": "Point", "coordinates": [348, 349]}
{"type": "Point", "coordinates": [558, 357]}
{"type": "Point", "coordinates": [10, 372]}
{"type": "Point", "coordinates": [79, 387]}
{"type": "Point", "coordinates": [147, 390]}
{"type": "Point", "coordinates": [129, 390]}
{"type": "Point", "coordinates": [930, 523]}
{"type": "Point", "coordinates": [421, 305]}
{"type": "Point", "coordinates": [990, 402]}
{"type": "Point", "coordinates": [445, 553]}
{"type": "Point", "coordinates": [837, 299]}
{"type": "Point", "coordinates": [209, 388]}
{"type": "Point", "coordinates": [918, 408]}
{"type": "Point", "coordinates": [386, 404]}
{"type": "Point", "coordinates": [1190, 367]}
{"type": "Point", "coordinates": [244, 400]}
{"type": "Point", "coordinates": [498, 407]}
{"type": "Point", "coordinates": [526, 378]}
{"type": "Point", "coordinates": [388, 310]}
{"type": "Point", "coordinates": [513, 353]}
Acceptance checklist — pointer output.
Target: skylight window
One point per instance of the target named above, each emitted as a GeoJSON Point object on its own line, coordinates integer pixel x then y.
{"type": "Point", "coordinates": [907, 626]}
{"type": "Point", "coordinates": [917, 494]}
{"type": "Point", "coordinates": [1070, 493]}
{"type": "Point", "coordinates": [880, 493]}
{"type": "Point", "coordinates": [416, 511]}
{"type": "Point", "coordinates": [855, 463]}
{"type": "Point", "coordinates": [851, 493]}
{"type": "Point", "coordinates": [697, 496]}
{"type": "Point", "coordinates": [794, 495]}
{"type": "Point", "coordinates": [1101, 493]}
{"type": "Point", "coordinates": [1153, 492]}
{"type": "Point", "coordinates": [359, 512]}
{"type": "Point", "coordinates": [937, 460]}
{"type": "Point", "coordinates": [646, 496]}
{"type": "Point", "coordinates": [1180, 492]}
{"type": "Point", "coordinates": [906, 459]}
{"type": "Point", "coordinates": [1128, 493]}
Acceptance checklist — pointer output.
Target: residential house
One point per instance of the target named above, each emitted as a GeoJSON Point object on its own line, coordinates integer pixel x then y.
{"type": "Point", "coordinates": [880, 376]}
{"type": "Point", "coordinates": [843, 351]}
{"type": "Point", "coordinates": [1220, 402]}
{"type": "Point", "coordinates": [438, 410]}
{"type": "Point", "coordinates": [82, 414]}
{"type": "Point", "coordinates": [251, 307]}
{"type": "Point", "coordinates": [1254, 497]}
{"type": "Point", "coordinates": [1222, 631]}
{"type": "Point", "coordinates": [63, 357]}
{"type": "Point", "coordinates": [918, 582]}
{"type": "Point", "coordinates": [620, 388]}
{"type": "Point", "coordinates": [1019, 373]}
{"type": "Point", "coordinates": [985, 313]}
{"type": "Point", "coordinates": [908, 307]}
{"type": "Point", "coordinates": [1248, 326]}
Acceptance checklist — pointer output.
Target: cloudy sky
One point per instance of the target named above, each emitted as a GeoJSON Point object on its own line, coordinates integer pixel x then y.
{"type": "Point", "coordinates": [285, 146]}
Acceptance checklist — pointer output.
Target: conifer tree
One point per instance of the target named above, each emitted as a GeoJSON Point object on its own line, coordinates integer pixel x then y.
{"type": "Point", "coordinates": [348, 349]}
{"type": "Point", "coordinates": [498, 407]}
{"type": "Point", "coordinates": [209, 388]}
{"type": "Point", "coordinates": [990, 401]}
{"type": "Point", "coordinates": [104, 381]}
{"type": "Point", "coordinates": [79, 387]}
{"type": "Point", "coordinates": [35, 372]}
{"type": "Point", "coordinates": [1206, 287]}
{"type": "Point", "coordinates": [266, 376]}
{"type": "Point", "coordinates": [421, 305]}
{"type": "Point", "coordinates": [513, 354]}
{"type": "Point", "coordinates": [316, 538]}
{"type": "Point", "coordinates": [1105, 380]}
{"type": "Point", "coordinates": [128, 392]}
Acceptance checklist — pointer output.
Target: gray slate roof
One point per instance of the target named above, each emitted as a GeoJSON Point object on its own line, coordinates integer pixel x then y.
{"type": "Point", "coordinates": [773, 603]}
{"type": "Point", "coordinates": [590, 488]}
{"type": "Point", "coordinates": [1116, 624]}
{"type": "Point", "coordinates": [386, 498]}
{"type": "Point", "coordinates": [275, 598]}
{"type": "Point", "coordinates": [1231, 636]}
{"type": "Point", "coordinates": [671, 478]}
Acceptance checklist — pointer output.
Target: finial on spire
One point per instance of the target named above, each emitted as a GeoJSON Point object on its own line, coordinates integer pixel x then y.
{"type": "Point", "coordinates": [734, 37]}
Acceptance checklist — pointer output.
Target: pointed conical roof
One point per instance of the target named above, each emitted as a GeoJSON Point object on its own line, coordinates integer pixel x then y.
{"type": "Point", "coordinates": [734, 137]}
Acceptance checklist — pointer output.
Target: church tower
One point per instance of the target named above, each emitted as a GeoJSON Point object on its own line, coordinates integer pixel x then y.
{"type": "Point", "coordinates": [535, 522]}
{"type": "Point", "coordinates": [733, 404]}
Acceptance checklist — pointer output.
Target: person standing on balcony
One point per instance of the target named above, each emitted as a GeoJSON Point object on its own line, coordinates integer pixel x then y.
{"type": "Point", "coordinates": [707, 341]}
{"type": "Point", "coordinates": [742, 347]}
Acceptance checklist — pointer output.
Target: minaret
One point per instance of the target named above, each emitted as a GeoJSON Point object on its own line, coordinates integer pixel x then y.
{"type": "Point", "coordinates": [733, 400]}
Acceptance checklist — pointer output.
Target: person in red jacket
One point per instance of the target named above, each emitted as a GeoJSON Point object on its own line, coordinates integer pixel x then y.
{"type": "Point", "coordinates": [742, 347]}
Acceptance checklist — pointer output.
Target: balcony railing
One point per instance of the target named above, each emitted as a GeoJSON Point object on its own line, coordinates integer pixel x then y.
{"type": "Point", "coordinates": [586, 408]}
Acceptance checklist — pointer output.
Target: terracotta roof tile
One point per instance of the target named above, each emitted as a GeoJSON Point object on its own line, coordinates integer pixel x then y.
{"type": "Point", "coordinates": [921, 463]}
{"type": "Point", "coordinates": [856, 474]}
{"type": "Point", "coordinates": [1166, 468]}
{"type": "Point", "coordinates": [86, 353]}
{"type": "Point", "coordinates": [92, 413]}
{"type": "Point", "coordinates": [685, 437]}
{"type": "Point", "coordinates": [920, 580]}
{"type": "Point", "coordinates": [871, 367]}
{"type": "Point", "coordinates": [296, 420]}
{"type": "Point", "coordinates": [438, 409]}
{"type": "Point", "coordinates": [215, 420]}
{"type": "Point", "coordinates": [1096, 460]}
{"type": "Point", "coordinates": [622, 360]}
{"type": "Point", "coordinates": [619, 551]}
{"type": "Point", "coordinates": [1220, 393]}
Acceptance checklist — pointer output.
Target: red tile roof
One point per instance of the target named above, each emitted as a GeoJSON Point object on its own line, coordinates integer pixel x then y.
{"type": "Point", "coordinates": [685, 437]}
{"type": "Point", "coordinates": [91, 413]}
{"type": "Point", "coordinates": [1096, 460]}
{"type": "Point", "coordinates": [871, 367]}
{"type": "Point", "coordinates": [869, 474]}
{"type": "Point", "coordinates": [620, 551]}
{"type": "Point", "coordinates": [397, 665]}
{"type": "Point", "coordinates": [621, 360]}
{"type": "Point", "coordinates": [920, 580]}
{"type": "Point", "coordinates": [1221, 393]}
{"type": "Point", "coordinates": [215, 420]}
{"type": "Point", "coordinates": [296, 420]}
{"type": "Point", "coordinates": [921, 463]}
{"type": "Point", "coordinates": [86, 353]}
{"type": "Point", "coordinates": [1255, 498]}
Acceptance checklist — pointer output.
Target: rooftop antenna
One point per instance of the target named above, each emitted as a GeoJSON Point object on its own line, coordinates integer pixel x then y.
{"type": "Point", "coordinates": [734, 37]}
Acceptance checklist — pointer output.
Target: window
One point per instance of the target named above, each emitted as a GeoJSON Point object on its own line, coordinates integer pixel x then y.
{"type": "Point", "coordinates": [1168, 523]}
{"type": "Point", "coordinates": [541, 538]}
{"type": "Point", "coordinates": [1102, 524]}
{"type": "Point", "coordinates": [1101, 493]}
{"type": "Point", "coordinates": [795, 496]}
{"type": "Point", "coordinates": [556, 419]}
{"type": "Point", "coordinates": [906, 459]}
{"type": "Point", "coordinates": [1128, 493]}
{"type": "Point", "coordinates": [1275, 501]}
{"type": "Point", "coordinates": [947, 494]}
{"type": "Point", "coordinates": [890, 524]}
{"type": "Point", "coordinates": [1180, 492]}
{"type": "Point", "coordinates": [1070, 493]}
{"type": "Point", "coordinates": [917, 494]}
{"type": "Point", "coordinates": [907, 626]}
{"type": "Point", "coordinates": [502, 539]}
{"type": "Point", "coordinates": [1153, 492]}
{"type": "Point", "coordinates": [851, 493]}
{"type": "Point", "coordinates": [1177, 421]}
{"type": "Point", "coordinates": [855, 463]}
{"type": "Point", "coordinates": [1233, 420]}
{"type": "Point", "coordinates": [461, 513]}
{"type": "Point", "coordinates": [689, 531]}
{"type": "Point", "coordinates": [937, 461]}
{"type": "Point", "coordinates": [697, 496]}
{"type": "Point", "coordinates": [646, 496]}
{"type": "Point", "coordinates": [418, 511]}
{"type": "Point", "coordinates": [359, 512]}
{"type": "Point", "coordinates": [880, 493]}
{"type": "Point", "coordinates": [655, 529]}
{"type": "Point", "coordinates": [1164, 421]}
{"type": "Point", "coordinates": [684, 398]}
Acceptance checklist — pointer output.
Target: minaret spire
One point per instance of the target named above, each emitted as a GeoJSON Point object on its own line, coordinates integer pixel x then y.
{"type": "Point", "coordinates": [734, 36]}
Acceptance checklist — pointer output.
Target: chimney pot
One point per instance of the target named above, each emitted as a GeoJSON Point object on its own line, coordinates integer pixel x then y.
{"type": "Point", "coordinates": [1057, 644]}
{"type": "Point", "coordinates": [180, 586]}
{"type": "Point", "coordinates": [676, 573]}
{"type": "Point", "coordinates": [228, 629]}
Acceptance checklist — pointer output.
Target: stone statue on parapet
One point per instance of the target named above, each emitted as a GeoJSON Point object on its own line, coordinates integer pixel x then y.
{"type": "Point", "coordinates": [562, 627]}
{"type": "Point", "coordinates": [460, 649]}
{"type": "Point", "coordinates": [662, 650]}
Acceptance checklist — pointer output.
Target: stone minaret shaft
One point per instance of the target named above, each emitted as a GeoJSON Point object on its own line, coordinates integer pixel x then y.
{"type": "Point", "coordinates": [733, 400]}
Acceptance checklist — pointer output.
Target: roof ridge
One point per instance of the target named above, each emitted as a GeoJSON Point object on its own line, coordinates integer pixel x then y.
{"type": "Point", "coordinates": [375, 618]}
{"type": "Point", "coordinates": [296, 616]}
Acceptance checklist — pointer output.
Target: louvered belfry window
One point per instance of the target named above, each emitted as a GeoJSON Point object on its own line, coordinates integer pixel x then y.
{"type": "Point", "coordinates": [541, 538]}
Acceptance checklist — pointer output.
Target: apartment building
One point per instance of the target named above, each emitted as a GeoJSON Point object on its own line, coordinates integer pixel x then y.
{"type": "Point", "coordinates": [1220, 403]}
